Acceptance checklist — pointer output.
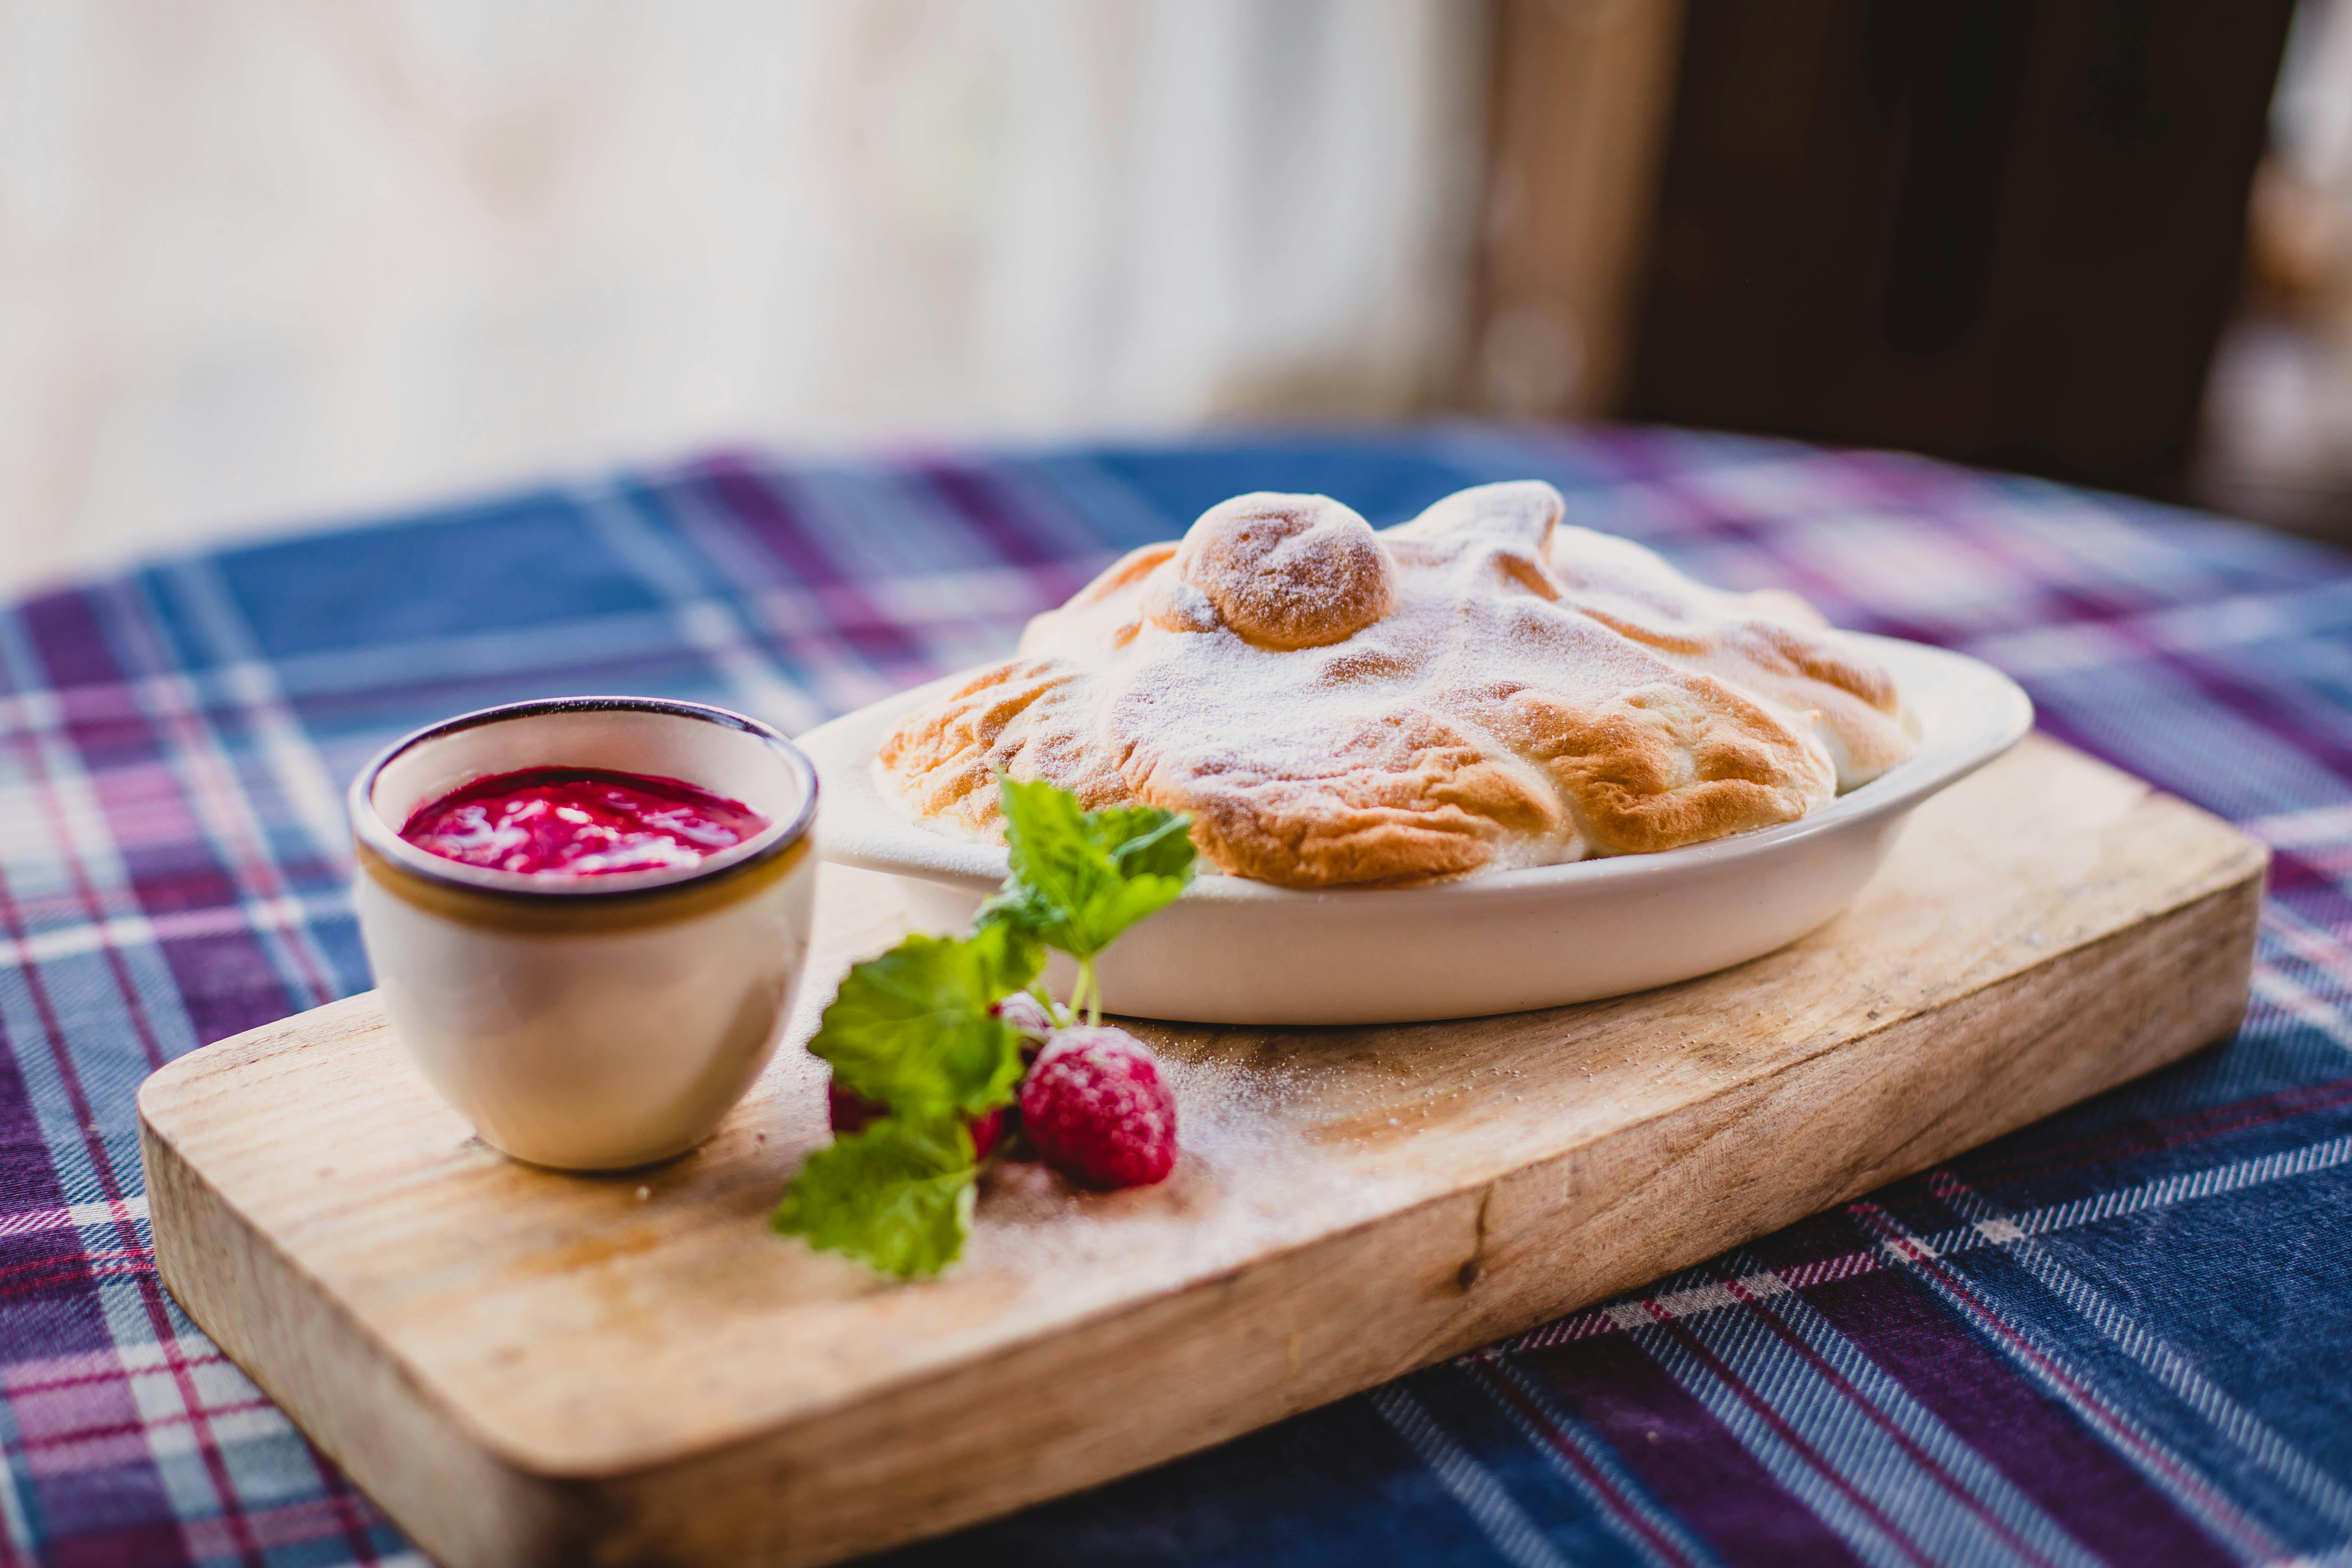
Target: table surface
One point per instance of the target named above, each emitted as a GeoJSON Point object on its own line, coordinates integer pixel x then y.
{"type": "Point", "coordinates": [2117, 1337]}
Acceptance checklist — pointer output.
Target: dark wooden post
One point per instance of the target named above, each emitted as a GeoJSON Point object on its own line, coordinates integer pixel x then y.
{"type": "Point", "coordinates": [1995, 230]}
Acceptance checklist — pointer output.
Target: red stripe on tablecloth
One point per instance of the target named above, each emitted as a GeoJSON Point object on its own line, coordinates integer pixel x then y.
{"type": "Point", "coordinates": [2178, 1133]}
{"type": "Point", "coordinates": [74, 1271]}
{"type": "Point", "coordinates": [93, 908]}
{"type": "Point", "coordinates": [2079, 1480]}
{"type": "Point", "coordinates": [1612, 1495]}
{"type": "Point", "coordinates": [1796, 1441]}
{"type": "Point", "coordinates": [138, 1256]}
{"type": "Point", "coordinates": [150, 1294]}
{"type": "Point", "coordinates": [2157, 1137]}
{"type": "Point", "coordinates": [105, 734]}
{"type": "Point", "coordinates": [1821, 1367]}
{"type": "Point", "coordinates": [254, 868]}
{"type": "Point", "coordinates": [1694, 1465]}
{"type": "Point", "coordinates": [104, 1366]}
{"type": "Point", "coordinates": [980, 500]}
{"type": "Point", "coordinates": [763, 513]}
{"type": "Point", "coordinates": [118, 1442]}
{"type": "Point", "coordinates": [75, 649]}
{"type": "Point", "coordinates": [214, 887]}
{"type": "Point", "coordinates": [2100, 1412]}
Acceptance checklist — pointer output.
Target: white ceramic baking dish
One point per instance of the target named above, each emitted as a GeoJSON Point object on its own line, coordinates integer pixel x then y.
{"type": "Point", "coordinates": [1231, 951]}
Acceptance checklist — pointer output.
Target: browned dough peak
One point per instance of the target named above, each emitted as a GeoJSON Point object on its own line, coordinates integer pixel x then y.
{"type": "Point", "coordinates": [1337, 705]}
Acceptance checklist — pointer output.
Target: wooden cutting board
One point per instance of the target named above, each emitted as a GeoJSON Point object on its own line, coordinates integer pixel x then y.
{"type": "Point", "coordinates": [530, 1368]}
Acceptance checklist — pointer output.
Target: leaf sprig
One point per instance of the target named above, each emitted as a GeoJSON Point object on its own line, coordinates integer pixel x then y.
{"type": "Point", "coordinates": [1081, 878]}
{"type": "Point", "coordinates": [916, 1028]}
{"type": "Point", "coordinates": [913, 1027]}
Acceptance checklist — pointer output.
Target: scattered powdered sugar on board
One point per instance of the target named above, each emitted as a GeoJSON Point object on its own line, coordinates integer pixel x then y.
{"type": "Point", "coordinates": [1252, 1173]}
{"type": "Point", "coordinates": [1259, 1164]}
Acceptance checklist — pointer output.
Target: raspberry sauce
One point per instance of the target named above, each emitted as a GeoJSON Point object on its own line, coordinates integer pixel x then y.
{"type": "Point", "coordinates": [580, 822]}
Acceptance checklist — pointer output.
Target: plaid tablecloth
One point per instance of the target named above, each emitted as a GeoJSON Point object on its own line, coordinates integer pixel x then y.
{"type": "Point", "coordinates": [2124, 1336]}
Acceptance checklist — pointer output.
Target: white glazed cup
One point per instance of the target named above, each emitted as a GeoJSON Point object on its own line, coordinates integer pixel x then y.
{"type": "Point", "coordinates": [589, 1023]}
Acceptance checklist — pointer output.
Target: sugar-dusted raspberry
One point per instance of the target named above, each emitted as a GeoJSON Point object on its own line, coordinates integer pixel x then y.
{"type": "Point", "coordinates": [850, 1112]}
{"type": "Point", "coordinates": [1029, 1020]}
{"type": "Point", "coordinates": [986, 1128]}
{"type": "Point", "coordinates": [1095, 1107]}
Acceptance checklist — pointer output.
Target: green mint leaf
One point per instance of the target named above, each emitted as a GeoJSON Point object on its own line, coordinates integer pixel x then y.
{"type": "Point", "coordinates": [1149, 842]}
{"type": "Point", "coordinates": [896, 1195]}
{"type": "Point", "coordinates": [1053, 868]}
{"type": "Point", "coordinates": [1078, 879]}
{"type": "Point", "coordinates": [1017, 910]}
{"type": "Point", "coordinates": [1010, 956]}
{"type": "Point", "coordinates": [912, 1029]}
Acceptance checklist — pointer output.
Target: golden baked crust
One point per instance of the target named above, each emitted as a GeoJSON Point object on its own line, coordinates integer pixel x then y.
{"type": "Point", "coordinates": [1341, 707]}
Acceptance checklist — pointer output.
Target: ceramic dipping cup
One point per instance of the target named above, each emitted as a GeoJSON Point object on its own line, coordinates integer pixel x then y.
{"type": "Point", "coordinates": [589, 1023]}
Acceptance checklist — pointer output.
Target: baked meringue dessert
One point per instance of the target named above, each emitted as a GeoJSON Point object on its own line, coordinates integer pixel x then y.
{"type": "Point", "coordinates": [1478, 688]}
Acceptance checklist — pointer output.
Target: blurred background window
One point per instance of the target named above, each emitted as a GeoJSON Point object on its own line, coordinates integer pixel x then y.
{"type": "Point", "coordinates": [264, 261]}
{"type": "Point", "coordinates": [266, 264]}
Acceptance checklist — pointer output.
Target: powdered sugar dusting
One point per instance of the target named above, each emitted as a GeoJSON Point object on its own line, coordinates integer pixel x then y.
{"type": "Point", "coordinates": [1252, 1173]}
{"type": "Point", "coordinates": [1532, 694]}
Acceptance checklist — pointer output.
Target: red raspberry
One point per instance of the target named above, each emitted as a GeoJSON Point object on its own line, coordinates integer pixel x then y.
{"type": "Point", "coordinates": [1095, 1107]}
{"type": "Point", "coordinates": [849, 1111]}
{"type": "Point", "coordinates": [1029, 1020]}
{"type": "Point", "coordinates": [986, 1128]}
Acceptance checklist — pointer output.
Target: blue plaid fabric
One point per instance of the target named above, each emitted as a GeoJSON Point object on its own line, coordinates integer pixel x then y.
{"type": "Point", "coordinates": [2124, 1336]}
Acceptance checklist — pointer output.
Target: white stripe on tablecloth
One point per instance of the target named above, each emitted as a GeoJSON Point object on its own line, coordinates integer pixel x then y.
{"type": "Point", "coordinates": [1641, 1310]}
{"type": "Point", "coordinates": [2253, 1437]}
{"type": "Point", "coordinates": [1481, 1496]}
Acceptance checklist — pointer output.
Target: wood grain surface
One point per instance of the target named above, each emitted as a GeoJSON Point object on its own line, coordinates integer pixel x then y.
{"type": "Point", "coordinates": [524, 1367]}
